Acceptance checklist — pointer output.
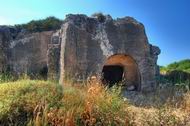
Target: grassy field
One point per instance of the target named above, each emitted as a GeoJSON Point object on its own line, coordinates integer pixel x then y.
{"type": "Point", "coordinates": [44, 103]}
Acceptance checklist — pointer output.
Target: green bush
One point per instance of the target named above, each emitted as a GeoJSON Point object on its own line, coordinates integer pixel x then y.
{"type": "Point", "coordinates": [100, 16]}
{"type": "Point", "coordinates": [183, 65]}
{"type": "Point", "coordinates": [177, 73]}
{"type": "Point", "coordinates": [48, 24]}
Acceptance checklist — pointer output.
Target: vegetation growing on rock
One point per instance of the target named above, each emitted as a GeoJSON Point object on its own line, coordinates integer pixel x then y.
{"type": "Point", "coordinates": [48, 24]}
{"type": "Point", "coordinates": [100, 16]}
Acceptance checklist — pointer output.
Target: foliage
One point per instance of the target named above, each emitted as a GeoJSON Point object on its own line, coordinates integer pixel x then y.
{"type": "Point", "coordinates": [48, 24]}
{"type": "Point", "coordinates": [19, 99]}
{"type": "Point", "coordinates": [100, 16]}
{"type": "Point", "coordinates": [177, 73]}
{"type": "Point", "coordinates": [183, 65]}
{"type": "Point", "coordinates": [30, 102]}
{"type": "Point", "coordinates": [6, 77]}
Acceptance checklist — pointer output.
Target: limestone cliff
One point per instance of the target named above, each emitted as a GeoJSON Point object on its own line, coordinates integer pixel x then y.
{"type": "Point", "coordinates": [84, 46]}
{"type": "Point", "coordinates": [23, 52]}
{"type": "Point", "coordinates": [87, 44]}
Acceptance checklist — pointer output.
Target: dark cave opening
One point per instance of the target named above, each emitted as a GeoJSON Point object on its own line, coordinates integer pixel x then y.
{"type": "Point", "coordinates": [122, 69]}
{"type": "Point", "coordinates": [112, 74]}
{"type": "Point", "coordinates": [44, 73]}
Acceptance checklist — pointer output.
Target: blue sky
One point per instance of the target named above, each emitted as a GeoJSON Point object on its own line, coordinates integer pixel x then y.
{"type": "Point", "coordinates": [167, 22]}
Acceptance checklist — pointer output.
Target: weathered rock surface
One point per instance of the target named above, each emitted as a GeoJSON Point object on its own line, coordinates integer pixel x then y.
{"type": "Point", "coordinates": [29, 53]}
{"type": "Point", "coordinates": [81, 48]}
{"type": "Point", "coordinates": [7, 34]}
{"type": "Point", "coordinates": [23, 52]}
{"type": "Point", "coordinates": [86, 44]}
{"type": "Point", "coordinates": [54, 56]}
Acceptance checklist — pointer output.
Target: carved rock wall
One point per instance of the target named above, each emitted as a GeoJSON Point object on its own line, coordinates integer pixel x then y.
{"type": "Point", "coordinates": [86, 44]}
{"type": "Point", "coordinates": [81, 48]}
{"type": "Point", "coordinates": [24, 53]}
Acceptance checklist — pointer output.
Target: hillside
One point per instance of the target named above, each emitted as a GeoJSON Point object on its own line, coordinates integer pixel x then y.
{"type": "Point", "coordinates": [183, 65]}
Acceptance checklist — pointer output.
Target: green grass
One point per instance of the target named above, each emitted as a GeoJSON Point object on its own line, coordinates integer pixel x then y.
{"type": "Point", "coordinates": [44, 103]}
{"type": "Point", "coordinates": [18, 99]}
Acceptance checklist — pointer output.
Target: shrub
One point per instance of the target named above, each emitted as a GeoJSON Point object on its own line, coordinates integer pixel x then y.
{"type": "Point", "coordinates": [100, 16]}
{"type": "Point", "coordinates": [48, 24]}
{"type": "Point", "coordinates": [177, 73]}
{"type": "Point", "coordinates": [183, 65]}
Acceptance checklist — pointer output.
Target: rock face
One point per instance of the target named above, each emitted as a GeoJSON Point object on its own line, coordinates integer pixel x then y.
{"type": "Point", "coordinates": [4, 38]}
{"type": "Point", "coordinates": [54, 56]}
{"type": "Point", "coordinates": [88, 45]}
{"type": "Point", "coordinates": [24, 53]}
{"type": "Point", "coordinates": [29, 54]}
{"type": "Point", "coordinates": [117, 50]}
{"type": "Point", "coordinates": [7, 34]}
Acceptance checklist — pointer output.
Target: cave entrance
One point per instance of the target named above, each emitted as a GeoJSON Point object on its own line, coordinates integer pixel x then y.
{"type": "Point", "coordinates": [112, 74]}
{"type": "Point", "coordinates": [122, 69]}
{"type": "Point", "coordinates": [43, 73]}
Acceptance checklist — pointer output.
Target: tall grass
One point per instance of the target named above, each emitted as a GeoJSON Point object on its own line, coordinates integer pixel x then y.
{"type": "Point", "coordinates": [43, 103]}
{"type": "Point", "coordinates": [91, 104]}
{"type": "Point", "coordinates": [6, 77]}
{"type": "Point", "coordinates": [19, 99]}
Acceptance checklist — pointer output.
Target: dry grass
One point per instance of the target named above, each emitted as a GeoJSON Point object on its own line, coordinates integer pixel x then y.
{"type": "Point", "coordinates": [40, 103]}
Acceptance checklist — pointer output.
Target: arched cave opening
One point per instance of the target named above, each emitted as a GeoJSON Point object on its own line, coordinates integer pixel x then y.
{"type": "Point", "coordinates": [121, 69]}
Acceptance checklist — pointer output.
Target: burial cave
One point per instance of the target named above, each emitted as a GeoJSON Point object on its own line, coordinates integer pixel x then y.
{"type": "Point", "coordinates": [121, 68]}
{"type": "Point", "coordinates": [84, 46]}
